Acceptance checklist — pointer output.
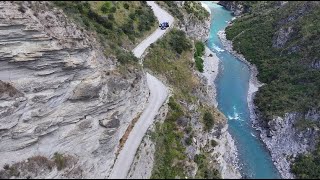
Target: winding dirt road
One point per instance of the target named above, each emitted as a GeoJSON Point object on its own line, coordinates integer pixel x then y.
{"type": "Point", "coordinates": [158, 95]}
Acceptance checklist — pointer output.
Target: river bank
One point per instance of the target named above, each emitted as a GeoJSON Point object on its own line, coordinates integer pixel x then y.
{"type": "Point", "coordinates": [254, 83]}
{"type": "Point", "coordinates": [226, 150]}
{"type": "Point", "coordinates": [210, 71]}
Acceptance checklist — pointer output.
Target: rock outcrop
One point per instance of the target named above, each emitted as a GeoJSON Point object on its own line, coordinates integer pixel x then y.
{"type": "Point", "coordinates": [236, 7]}
{"type": "Point", "coordinates": [285, 138]}
{"type": "Point", "coordinates": [59, 93]}
{"type": "Point", "coordinates": [195, 29]}
{"type": "Point", "coordinates": [189, 23]}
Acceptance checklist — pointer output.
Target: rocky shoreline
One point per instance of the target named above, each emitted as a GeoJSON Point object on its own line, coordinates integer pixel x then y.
{"type": "Point", "coordinates": [254, 83]}
{"type": "Point", "coordinates": [210, 72]}
{"type": "Point", "coordinates": [226, 150]}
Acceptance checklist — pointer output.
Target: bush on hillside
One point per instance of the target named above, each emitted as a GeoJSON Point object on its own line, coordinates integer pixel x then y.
{"type": "Point", "coordinates": [179, 42]}
{"type": "Point", "coordinates": [208, 120]}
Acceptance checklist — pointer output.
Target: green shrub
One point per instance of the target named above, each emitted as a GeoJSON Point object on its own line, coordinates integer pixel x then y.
{"type": "Point", "coordinates": [128, 28]}
{"type": "Point", "coordinates": [126, 57]}
{"type": "Point", "coordinates": [6, 167]}
{"type": "Point", "coordinates": [59, 160]}
{"type": "Point", "coordinates": [106, 7]}
{"type": "Point", "coordinates": [214, 143]}
{"type": "Point", "coordinates": [173, 105]}
{"type": "Point", "coordinates": [199, 159]}
{"type": "Point", "coordinates": [307, 166]}
{"type": "Point", "coordinates": [110, 30]}
{"type": "Point", "coordinates": [111, 17]}
{"type": "Point", "coordinates": [126, 5]}
{"type": "Point", "coordinates": [200, 47]}
{"type": "Point", "coordinates": [195, 8]}
{"type": "Point", "coordinates": [146, 19]}
{"type": "Point", "coordinates": [13, 171]}
{"type": "Point", "coordinates": [188, 141]}
{"type": "Point", "coordinates": [199, 52]}
{"type": "Point", "coordinates": [208, 120]}
{"type": "Point", "coordinates": [174, 10]}
{"type": "Point", "coordinates": [188, 130]}
{"type": "Point", "coordinates": [205, 169]}
{"type": "Point", "coordinates": [113, 9]}
{"type": "Point", "coordinates": [178, 41]}
{"type": "Point", "coordinates": [132, 16]}
{"type": "Point", "coordinates": [199, 63]}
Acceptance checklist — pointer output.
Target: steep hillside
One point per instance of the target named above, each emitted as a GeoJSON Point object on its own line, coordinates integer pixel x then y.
{"type": "Point", "coordinates": [190, 138]}
{"type": "Point", "coordinates": [187, 142]}
{"type": "Point", "coordinates": [120, 26]}
{"type": "Point", "coordinates": [282, 39]}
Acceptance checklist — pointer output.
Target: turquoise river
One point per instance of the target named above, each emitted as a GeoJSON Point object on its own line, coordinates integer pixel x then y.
{"type": "Point", "coordinates": [232, 89]}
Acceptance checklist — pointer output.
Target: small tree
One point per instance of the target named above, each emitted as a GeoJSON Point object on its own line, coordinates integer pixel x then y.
{"type": "Point", "coordinates": [6, 166]}
{"type": "Point", "coordinates": [126, 5]}
{"type": "Point", "coordinates": [199, 48]}
{"type": "Point", "coordinates": [188, 141]}
{"type": "Point", "coordinates": [106, 7]}
{"type": "Point", "coordinates": [111, 17]}
{"type": "Point", "coordinates": [214, 143]}
{"type": "Point", "coordinates": [199, 63]}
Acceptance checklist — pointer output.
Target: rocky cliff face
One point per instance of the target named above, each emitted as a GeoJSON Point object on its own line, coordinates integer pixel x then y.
{"type": "Point", "coordinates": [240, 7]}
{"type": "Point", "coordinates": [236, 7]}
{"type": "Point", "coordinates": [193, 27]}
{"type": "Point", "coordinates": [286, 139]}
{"type": "Point", "coordinates": [189, 22]}
{"type": "Point", "coordinates": [59, 93]}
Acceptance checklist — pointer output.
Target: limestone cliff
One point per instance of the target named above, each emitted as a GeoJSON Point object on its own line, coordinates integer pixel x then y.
{"type": "Point", "coordinates": [59, 93]}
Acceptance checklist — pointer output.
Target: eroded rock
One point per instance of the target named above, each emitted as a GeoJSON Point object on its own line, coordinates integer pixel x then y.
{"type": "Point", "coordinates": [56, 84]}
